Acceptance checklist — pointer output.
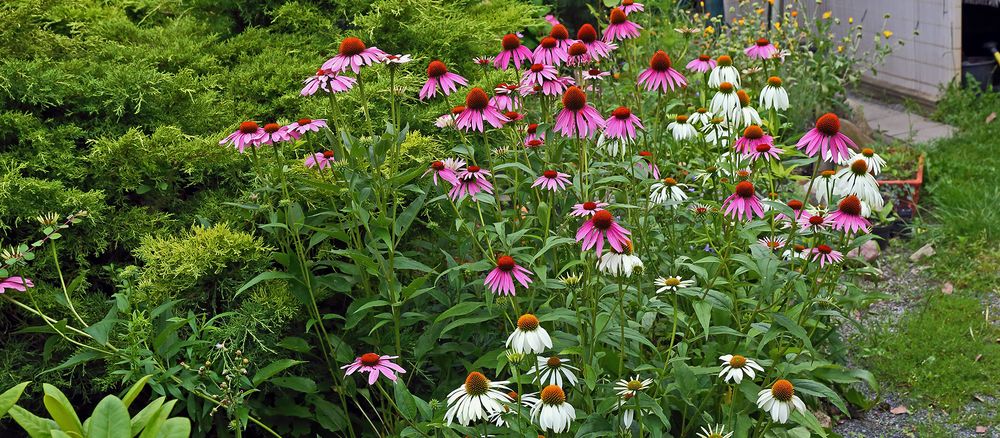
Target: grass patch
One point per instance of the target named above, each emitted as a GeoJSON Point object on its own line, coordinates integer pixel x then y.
{"type": "Point", "coordinates": [932, 353]}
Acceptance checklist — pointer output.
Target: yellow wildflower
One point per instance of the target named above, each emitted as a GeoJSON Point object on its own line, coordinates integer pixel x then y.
{"type": "Point", "coordinates": [887, 33]}
{"type": "Point", "coordinates": [827, 15]}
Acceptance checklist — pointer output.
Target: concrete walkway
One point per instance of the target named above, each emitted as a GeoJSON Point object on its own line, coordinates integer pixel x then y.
{"type": "Point", "coordinates": [898, 124]}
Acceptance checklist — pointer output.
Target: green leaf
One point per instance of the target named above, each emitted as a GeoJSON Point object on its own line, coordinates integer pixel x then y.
{"type": "Point", "coordinates": [329, 416]}
{"type": "Point", "coordinates": [61, 410]}
{"type": "Point", "coordinates": [10, 397]}
{"type": "Point", "coordinates": [272, 369]}
{"type": "Point", "coordinates": [152, 430]}
{"type": "Point", "coordinates": [703, 309]}
{"type": "Point", "coordinates": [263, 276]}
{"type": "Point", "coordinates": [135, 390]}
{"type": "Point", "coordinates": [110, 420]}
{"type": "Point", "coordinates": [404, 400]}
{"type": "Point", "coordinates": [460, 309]}
{"type": "Point", "coordinates": [143, 417]}
{"type": "Point", "coordinates": [175, 428]}
{"type": "Point", "coordinates": [76, 359]}
{"type": "Point", "coordinates": [35, 426]}
{"type": "Point", "coordinates": [300, 384]}
{"type": "Point", "coordinates": [820, 390]}
{"type": "Point", "coordinates": [794, 328]}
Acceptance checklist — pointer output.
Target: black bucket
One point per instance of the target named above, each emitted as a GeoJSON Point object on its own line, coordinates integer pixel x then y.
{"type": "Point", "coordinates": [981, 68]}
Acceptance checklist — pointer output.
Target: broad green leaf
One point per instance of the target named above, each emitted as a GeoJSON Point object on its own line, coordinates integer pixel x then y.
{"type": "Point", "coordinates": [703, 310]}
{"type": "Point", "coordinates": [60, 409]}
{"type": "Point", "coordinates": [404, 400]}
{"type": "Point", "coordinates": [10, 397]}
{"type": "Point", "coordinates": [460, 309]}
{"type": "Point", "coordinates": [175, 428]}
{"type": "Point", "coordinates": [269, 275]}
{"type": "Point", "coordinates": [143, 417]}
{"type": "Point", "coordinates": [152, 429]}
{"type": "Point", "coordinates": [135, 390]}
{"type": "Point", "coordinates": [272, 369]}
{"type": "Point", "coordinates": [300, 384]}
{"type": "Point", "coordinates": [794, 328]}
{"type": "Point", "coordinates": [35, 426]}
{"type": "Point", "coordinates": [110, 420]}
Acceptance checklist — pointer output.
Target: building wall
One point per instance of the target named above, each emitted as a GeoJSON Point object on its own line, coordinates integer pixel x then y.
{"type": "Point", "coordinates": [931, 31]}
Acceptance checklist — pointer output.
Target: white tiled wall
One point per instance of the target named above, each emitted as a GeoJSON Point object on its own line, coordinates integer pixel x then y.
{"type": "Point", "coordinates": [929, 59]}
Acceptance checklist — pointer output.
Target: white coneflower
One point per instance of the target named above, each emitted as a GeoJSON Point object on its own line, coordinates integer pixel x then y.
{"type": "Point", "coordinates": [615, 147]}
{"type": "Point", "coordinates": [748, 115]}
{"type": "Point", "coordinates": [667, 189]}
{"type": "Point", "coordinates": [672, 284]}
{"type": "Point", "coordinates": [632, 387]}
{"type": "Point", "coordinates": [552, 412]}
{"type": "Point", "coordinates": [717, 432]}
{"type": "Point", "coordinates": [856, 180]}
{"type": "Point", "coordinates": [628, 411]}
{"type": "Point", "coordinates": [873, 160]}
{"type": "Point", "coordinates": [553, 371]}
{"type": "Point", "coordinates": [773, 95]}
{"type": "Point", "coordinates": [735, 367]}
{"type": "Point", "coordinates": [681, 129]}
{"type": "Point", "coordinates": [529, 337]}
{"type": "Point", "coordinates": [824, 185]}
{"type": "Point", "coordinates": [797, 251]}
{"type": "Point", "coordinates": [780, 400]}
{"type": "Point", "coordinates": [772, 242]}
{"type": "Point", "coordinates": [724, 72]}
{"type": "Point", "coordinates": [701, 116]}
{"type": "Point", "coordinates": [477, 399]}
{"type": "Point", "coordinates": [726, 104]}
{"type": "Point", "coordinates": [527, 400]}
{"type": "Point", "coordinates": [620, 264]}
{"type": "Point", "coordinates": [716, 132]}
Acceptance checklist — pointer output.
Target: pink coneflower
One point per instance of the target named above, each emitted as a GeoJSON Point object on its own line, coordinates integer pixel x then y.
{"type": "Point", "coordinates": [826, 255]}
{"type": "Point", "coordinates": [327, 81]}
{"type": "Point", "coordinates": [472, 180]}
{"type": "Point", "coordinates": [762, 49]}
{"type": "Point", "coordinates": [753, 135]}
{"type": "Point", "coordinates": [630, 6]}
{"type": "Point", "coordinates": [545, 76]}
{"type": "Point", "coordinates": [772, 242]}
{"type": "Point", "coordinates": [650, 164]}
{"type": "Point", "coordinates": [744, 203]}
{"type": "Point", "coordinates": [595, 74]}
{"type": "Point", "coordinates": [513, 116]}
{"type": "Point", "coordinates": [701, 64]}
{"type": "Point", "coordinates": [848, 217]}
{"type": "Point", "coordinates": [552, 180]}
{"type": "Point", "coordinates": [551, 19]}
{"type": "Point", "coordinates": [532, 135]}
{"type": "Point", "coordinates": [766, 152]}
{"type": "Point", "coordinates": [561, 34]}
{"type": "Point", "coordinates": [321, 159]}
{"type": "Point", "coordinates": [826, 139]}
{"type": "Point", "coordinates": [248, 134]}
{"type": "Point", "coordinates": [477, 110]}
{"type": "Point", "coordinates": [439, 76]}
{"type": "Point", "coordinates": [374, 365]}
{"type": "Point", "coordinates": [512, 49]}
{"type": "Point", "coordinates": [796, 207]}
{"type": "Point", "coordinates": [505, 97]}
{"type": "Point", "coordinates": [619, 28]}
{"type": "Point", "coordinates": [814, 221]}
{"type": "Point", "coordinates": [577, 118]}
{"type": "Point", "coordinates": [660, 75]}
{"type": "Point", "coordinates": [622, 124]}
{"type": "Point", "coordinates": [15, 283]}
{"type": "Point", "coordinates": [304, 125]}
{"type": "Point", "coordinates": [596, 49]}
{"type": "Point", "coordinates": [353, 55]}
{"type": "Point", "coordinates": [438, 169]}
{"type": "Point", "coordinates": [501, 279]}
{"type": "Point", "coordinates": [600, 226]}
{"type": "Point", "coordinates": [549, 52]}
{"type": "Point", "coordinates": [275, 133]}
{"type": "Point", "coordinates": [587, 208]}
{"type": "Point", "coordinates": [578, 55]}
